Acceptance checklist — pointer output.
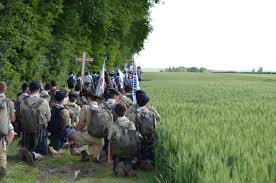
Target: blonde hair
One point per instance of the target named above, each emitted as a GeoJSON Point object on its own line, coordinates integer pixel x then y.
{"type": "Point", "coordinates": [3, 87]}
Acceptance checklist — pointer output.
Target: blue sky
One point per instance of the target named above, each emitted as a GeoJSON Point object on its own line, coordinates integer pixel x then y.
{"type": "Point", "coordinates": [216, 34]}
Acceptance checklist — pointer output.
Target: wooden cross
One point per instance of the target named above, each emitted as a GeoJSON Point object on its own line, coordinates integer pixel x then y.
{"type": "Point", "coordinates": [84, 59]}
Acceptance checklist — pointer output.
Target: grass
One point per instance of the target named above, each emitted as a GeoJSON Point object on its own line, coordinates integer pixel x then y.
{"type": "Point", "coordinates": [215, 127]}
{"type": "Point", "coordinates": [20, 172]}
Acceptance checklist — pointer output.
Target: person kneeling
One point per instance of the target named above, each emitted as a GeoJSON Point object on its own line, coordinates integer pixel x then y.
{"type": "Point", "coordinates": [124, 143]}
{"type": "Point", "coordinates": [59, 125]}
{"type": "Point", "coordinates": [90, 129]}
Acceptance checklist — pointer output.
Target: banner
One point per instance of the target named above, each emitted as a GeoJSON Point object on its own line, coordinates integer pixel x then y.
{"type": "Point", "coordinates": [122, 76]}
{"type": "Point", "coordinates": [135, 82]}
{"type": "Point", "coordinates": [101, 82]}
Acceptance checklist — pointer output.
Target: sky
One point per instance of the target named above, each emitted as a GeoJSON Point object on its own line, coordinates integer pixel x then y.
{"type": "Point", "coordinates": [216, 34]}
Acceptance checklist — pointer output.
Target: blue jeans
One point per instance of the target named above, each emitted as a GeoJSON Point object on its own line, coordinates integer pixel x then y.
{"type": "Point", "coordinates": [57, 140]}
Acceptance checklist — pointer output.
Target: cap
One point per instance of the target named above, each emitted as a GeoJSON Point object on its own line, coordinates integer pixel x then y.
{"type": "Point", "coordinates": [114, 91]}
{"type": "Point", "coordinates": [60, 95]}
{"type": "Point", "coordinates": [35, 85]}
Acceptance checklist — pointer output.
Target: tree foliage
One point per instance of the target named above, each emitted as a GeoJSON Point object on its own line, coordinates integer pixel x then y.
{"type": "Point", "coordinates": [40, 39]}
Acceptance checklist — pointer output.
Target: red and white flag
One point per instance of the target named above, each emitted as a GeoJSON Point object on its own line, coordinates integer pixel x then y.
{"type": "Point", "coordinates": [101, 82]}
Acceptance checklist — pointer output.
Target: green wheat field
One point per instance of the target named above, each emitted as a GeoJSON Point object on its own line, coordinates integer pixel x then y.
{"type": "Point", "coordinates": [215, 128]}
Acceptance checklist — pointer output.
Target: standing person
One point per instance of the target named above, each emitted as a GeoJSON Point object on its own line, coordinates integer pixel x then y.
{"type": "Point", "coordinates": [25, 92]}
{"type": "Point", "coordinates": [82, 135]}
{"type": "Point", "coordinates": [60, 123]}
{"type": "Point", "coordinates": [107, 80]}
{"type": "Point", "coordinates": [95, 79]}
{"type": "Point", "coordinates": [48, 87]}
{"type": "Point", "coordinates": [20, 97]}
{"type": "Point", "coordinates": [36, 114]}
{"type": "Point", "coordinates": [71, 80]}
{"type": "Point", "coordinates": [88, 81]}
{"type": "Point", "coordinates": [120, 149]}
{"type": "Point", "coordinates": [7, 116]}
{"type": "Point", "coordinates": [53, 92]}
{"type": "Point", "coordinates": [79, 83]}
{"type": "Point", "coordinates": [73, 108]}
{"type": "Point", "coordinates": [45, 95]}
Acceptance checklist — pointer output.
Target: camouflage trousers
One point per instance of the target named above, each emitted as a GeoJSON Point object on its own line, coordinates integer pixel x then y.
{"type": "Point", "coordinates": [3, 152]}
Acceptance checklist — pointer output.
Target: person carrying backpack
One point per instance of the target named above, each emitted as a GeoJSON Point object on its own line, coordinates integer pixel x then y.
{"type": "Point", "coordinates": [88, 81]}
{"type": "Point", "coordinates": [53, 92]}
{"type": "Point", "coordinates": [145, 122]}
{"type": "Point", "coordinates": [124, 143]}
{"type": "Point", "coordinates": [92, 128]}
{"type": "Point", "coordinates": [20, 97]}
{"type": "Point", "coordinates": [35, 113]}
{"type": "Point", "coordinates": [7, 116]}
{"type": "Point", "coordinates": [71, 80]}
{"type": "Point", "coordinates": [60, 123]}
{"type": "Point", "coordinates": [73, 108]}
{"type": "Point", "coordinates": [113, 97]}
{"type": "Point", "coordinates": [79, 83]}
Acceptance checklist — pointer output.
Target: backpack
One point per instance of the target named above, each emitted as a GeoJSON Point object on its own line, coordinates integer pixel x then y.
{"type": "Point", "coordinates": [78, 83]}
{"type": "Point", "coordinates": [30, 116]}
{"type": "Point", "coordinates": [126, 143]}
{"type": "Point", "coordinates": [57, 122]}
{"type": "Point", "coordinates": [100, 122]}
{"type": "Point", "coordinates": [112, 110]}
{"type": "Point", "coordinates": [73, 111]}
{"type": "Point", "coordinates": [17, 108]}
{"type": "Point", "coordinates": [71, 82]}
{"type": "Point", "coordinates": [4, 118]}
{"type": "Point", "coordinates": [145, 124]}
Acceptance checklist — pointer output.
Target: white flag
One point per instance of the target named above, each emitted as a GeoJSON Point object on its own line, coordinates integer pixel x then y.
{"type": "Point", "coordinates": [121, 75]}
{"type": "Point", "coordinates": [101, 82]}
{"type": "Point", "coordinates": [135, 82]}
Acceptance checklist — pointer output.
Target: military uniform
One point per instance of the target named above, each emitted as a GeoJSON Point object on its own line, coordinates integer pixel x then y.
{"type": "Point", "coordinates": [3, 140]}
{"type": "Point", "coordinates": [83, 137]}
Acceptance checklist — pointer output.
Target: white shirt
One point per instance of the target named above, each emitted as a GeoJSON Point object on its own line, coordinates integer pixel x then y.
{"type": "Point", "coordinates": [88, 79]}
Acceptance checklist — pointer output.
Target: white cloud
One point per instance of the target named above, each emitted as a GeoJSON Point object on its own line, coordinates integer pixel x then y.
{"type": "Point", "coordinates": [217, 34]}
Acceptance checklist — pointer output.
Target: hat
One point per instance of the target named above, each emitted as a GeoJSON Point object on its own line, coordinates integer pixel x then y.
{"type": "Point", "coordinates": [92, 95]}
{"type": "Point", "coordinates": [114, 91]}
{"type": "Point", "coordinates": [35, 85]}
{"type": "Point", "coordinates": [73, 95]}
{"type": "Point", "coordinates": [60, 95]}
{"type": "Point", "coordinates": [44, 94]}
{"type": "Point", "coordinates": [65, 92]}
{"type": "Point", "coordinates": [142, 99]}
{"type": "Point", "coordinates": [138, 92]}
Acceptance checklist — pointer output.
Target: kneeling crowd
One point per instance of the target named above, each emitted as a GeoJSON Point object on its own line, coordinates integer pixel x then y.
{"type": "Point", "coordinates": [114, 129]}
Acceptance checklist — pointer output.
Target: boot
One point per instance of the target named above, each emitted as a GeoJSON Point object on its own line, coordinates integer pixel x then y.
{"type": "Point", "coordinates": [120, 170]}
{"type": "Point", "coordinates": [27, 156]}
{"type": "Point", "coordinates": [74, 150]}
{"type": "Point", "coordinates": [20, 155]}
{"type": "Point", "coordinates": [2, 172]}
{"type": "Point", "coordinates": [85, 156]}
